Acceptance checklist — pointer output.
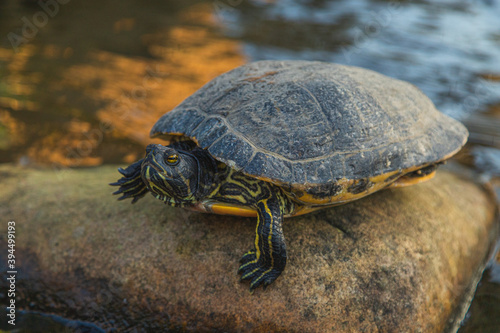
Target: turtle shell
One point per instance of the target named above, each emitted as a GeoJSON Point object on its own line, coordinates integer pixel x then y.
{"type": "Point", "coordinates": [305, 124]}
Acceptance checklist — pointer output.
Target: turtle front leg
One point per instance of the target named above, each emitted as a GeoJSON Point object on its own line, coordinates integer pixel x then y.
{"type": "Point", "coordinates": [131, 184]}
{"type": "Point", "coordinates": [265, 263]}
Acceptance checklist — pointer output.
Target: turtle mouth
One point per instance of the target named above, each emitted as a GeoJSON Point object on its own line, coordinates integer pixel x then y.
{"type": "Point", "coordinates": [146, 170]}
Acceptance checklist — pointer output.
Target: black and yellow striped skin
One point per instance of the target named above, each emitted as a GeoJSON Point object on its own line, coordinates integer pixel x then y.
{"type": "Point", "coordinates": [263, 264]}
{"type": "Point", "coordinates": [196, 177]}
{"type": "Point", "coordinates": [184, 175]}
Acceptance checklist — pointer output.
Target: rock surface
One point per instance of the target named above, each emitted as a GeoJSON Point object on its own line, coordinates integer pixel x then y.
{"type": "Point", "coordinates": [398, 260]}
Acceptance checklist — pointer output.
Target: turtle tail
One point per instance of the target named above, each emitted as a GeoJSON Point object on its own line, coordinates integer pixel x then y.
{"type": "Point", "coordinates": [131, 184]}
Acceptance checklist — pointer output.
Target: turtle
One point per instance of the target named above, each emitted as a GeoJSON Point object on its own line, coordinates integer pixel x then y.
{"type": "Point", "coordinates": [275, 139]}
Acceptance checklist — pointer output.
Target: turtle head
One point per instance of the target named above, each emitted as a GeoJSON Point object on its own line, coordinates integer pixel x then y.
{"type": "Point", "coordinates": [172, 175]}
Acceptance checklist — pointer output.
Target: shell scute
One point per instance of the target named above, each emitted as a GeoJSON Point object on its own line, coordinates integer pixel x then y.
{"type": "Point", "coordinates": [210, 130]}
{"type": "Point", "coordinates": [225, 149]}
{"type": "Point", "coordinates": [305, 124]}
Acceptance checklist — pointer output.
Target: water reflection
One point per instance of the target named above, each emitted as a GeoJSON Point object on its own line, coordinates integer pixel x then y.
{"type": "Point", "coordinates": [76, 96]}
{"type": "Point", "coordinates": [449, 49]}
{"type": "Point", "coordinates": [88, 84]}
{"type": "Point", "coordinates": [484, 313]}
{"type": "Point", "coordinates": [86, 88]}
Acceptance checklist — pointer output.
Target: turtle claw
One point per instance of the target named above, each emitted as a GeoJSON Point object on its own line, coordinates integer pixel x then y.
{"type": "Point", "coordinates": [131, 184]}
{"type": "Point", "coordinates": [256, 271]}
{"type": "Point", "coordinates": [249, 256]}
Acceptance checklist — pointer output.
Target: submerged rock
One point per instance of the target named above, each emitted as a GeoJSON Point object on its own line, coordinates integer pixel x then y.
{"type": "Point", "coordinates": [399, 260]}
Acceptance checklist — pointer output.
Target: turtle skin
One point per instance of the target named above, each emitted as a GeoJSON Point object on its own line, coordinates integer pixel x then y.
{"type": "Point", "coordinates": [274, 139]}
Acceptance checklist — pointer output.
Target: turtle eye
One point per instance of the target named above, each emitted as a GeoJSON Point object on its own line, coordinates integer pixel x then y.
{"type": "Point", "coordinates": [173, 159]}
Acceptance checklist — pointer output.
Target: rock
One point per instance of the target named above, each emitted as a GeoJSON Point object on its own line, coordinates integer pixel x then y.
{"type": "Point", "coordinates": [399, 260]}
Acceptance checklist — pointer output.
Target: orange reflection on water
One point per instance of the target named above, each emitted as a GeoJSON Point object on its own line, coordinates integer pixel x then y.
{"type": "Point", "coordinates": [141, 91]}
{"type": "Point", "coordinates": [72, 106]}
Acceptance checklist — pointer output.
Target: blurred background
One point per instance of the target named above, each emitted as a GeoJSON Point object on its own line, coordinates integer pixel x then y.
{"type": "Point", "coordinates": [82, 82]}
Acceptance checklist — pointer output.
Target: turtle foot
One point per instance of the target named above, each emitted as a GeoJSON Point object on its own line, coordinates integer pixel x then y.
{"type": "Point", "coordinates": [131, 184]}
{"type": "Point", "coordinates": [256, 271]}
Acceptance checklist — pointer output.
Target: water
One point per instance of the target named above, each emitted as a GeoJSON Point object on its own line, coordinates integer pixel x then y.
{"type": "Point", "coordinates": [84, 85]}
{"type": "Point", "coordinates": [33, 322]}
